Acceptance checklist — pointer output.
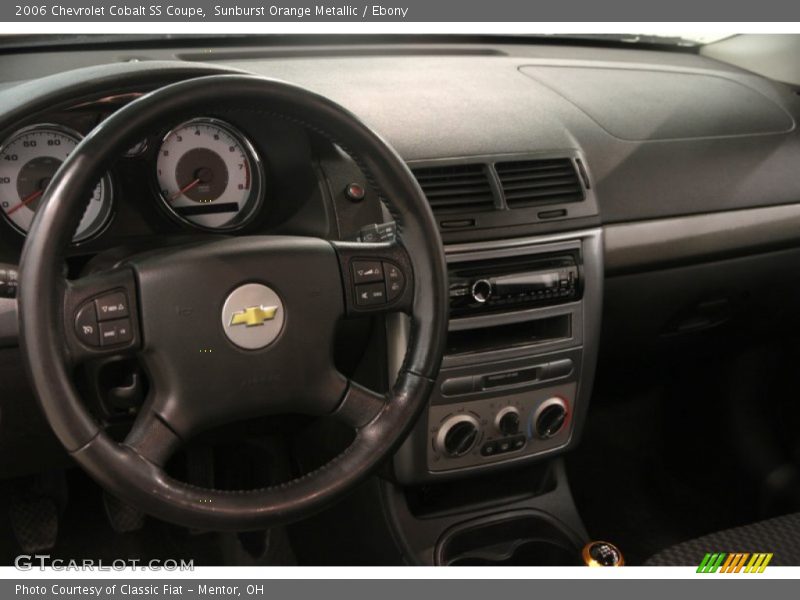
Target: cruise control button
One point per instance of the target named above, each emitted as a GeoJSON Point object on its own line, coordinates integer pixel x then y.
{"type": "Point", "coordinates": [367, 271]}
{"type": "Point", "coordinates": [395, 281]}
{"type": "Point", "coordinates": [112, 306]}
{"type": "Point", "coordinates": [370, 294]}
{"type": "Point", "coordinates": [115, 332]}
{"type": "Point", "coordinates": [86, 325]}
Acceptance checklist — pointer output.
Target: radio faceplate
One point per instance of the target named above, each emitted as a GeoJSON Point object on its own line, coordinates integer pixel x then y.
{"type": "Point", "coordinates": [507, 284]}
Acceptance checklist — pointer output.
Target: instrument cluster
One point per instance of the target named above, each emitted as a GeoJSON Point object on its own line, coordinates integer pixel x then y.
{"type": "Point", "coordinates": [205, 173]}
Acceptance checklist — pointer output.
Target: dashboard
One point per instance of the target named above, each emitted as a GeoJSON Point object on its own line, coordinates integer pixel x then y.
{"type": "Point", "coordinates": [624, 164]}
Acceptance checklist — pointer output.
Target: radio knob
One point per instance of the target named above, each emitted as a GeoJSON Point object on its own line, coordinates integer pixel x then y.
{"type": "Point", "coordinates": [481, 290]}
{"type": "Point", "coordinates": [458, 435]}
{"type": "Point", "coordinates": [507, 420]}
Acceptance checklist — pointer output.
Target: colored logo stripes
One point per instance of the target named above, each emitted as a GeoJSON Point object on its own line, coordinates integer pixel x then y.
{"type": "Point", "coordinates": [735, 562]}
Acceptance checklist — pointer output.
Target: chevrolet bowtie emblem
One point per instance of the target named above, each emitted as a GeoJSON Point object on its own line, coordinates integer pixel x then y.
{"type": "Point", "coordinates": [253, 316]}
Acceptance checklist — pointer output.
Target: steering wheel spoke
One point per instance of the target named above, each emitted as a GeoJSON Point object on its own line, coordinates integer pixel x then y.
{"type": "Point", "coordinates": [359, 406]}
{"type": "Point", "coordinates": [101, 316]}
{"type": "Point", "coordinates": [152, 439]}
{"type": "Point", "coordinates": [377, 278]}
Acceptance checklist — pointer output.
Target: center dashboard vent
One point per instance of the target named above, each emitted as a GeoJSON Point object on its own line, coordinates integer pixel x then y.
{"type": "Point", "coordinates": [456, 188]}
{"type": "Point", "coordinates": [539, 182]}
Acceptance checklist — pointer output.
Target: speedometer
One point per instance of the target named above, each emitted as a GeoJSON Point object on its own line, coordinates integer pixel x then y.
{"type": "Point", "coordinates": [28, 160]}
{"type": "Point", "coordinates": [209, 175]}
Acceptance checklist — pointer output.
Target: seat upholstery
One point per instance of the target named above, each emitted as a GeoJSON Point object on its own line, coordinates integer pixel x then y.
{"type": "Point", "coordinates": [780, 536]}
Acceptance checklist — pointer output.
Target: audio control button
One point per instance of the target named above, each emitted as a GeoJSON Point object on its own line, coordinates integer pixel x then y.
{"type": "Point", "coordinates": [370, 294]}
{"type": "Point", "coordinates": [367, 271]}
{"type": "Point", "coordinates": [481, 290]}
{"type": "Point", "coordinates": [395, 281]}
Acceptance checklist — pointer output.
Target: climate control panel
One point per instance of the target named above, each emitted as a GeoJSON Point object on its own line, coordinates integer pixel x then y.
{"type": "Point", "coordinates": [499, 428]}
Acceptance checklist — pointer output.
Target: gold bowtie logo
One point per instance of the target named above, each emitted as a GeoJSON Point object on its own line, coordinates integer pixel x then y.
{"type": "Point", "coordinates": [253, 316]}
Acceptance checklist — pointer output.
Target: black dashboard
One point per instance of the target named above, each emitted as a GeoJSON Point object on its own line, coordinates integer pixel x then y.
{"type": "Point", "coordinates": [634, 163]}
{"type": "Point", "coordinates": [656, 134]}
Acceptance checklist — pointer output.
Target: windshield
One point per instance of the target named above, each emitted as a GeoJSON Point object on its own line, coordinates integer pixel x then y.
{"type": "Point", "coordinates": [663, 38]}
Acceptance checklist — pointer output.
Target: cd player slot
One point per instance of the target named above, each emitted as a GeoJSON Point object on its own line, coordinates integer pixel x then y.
{"type": "Point", "coordinates": [495, 337]}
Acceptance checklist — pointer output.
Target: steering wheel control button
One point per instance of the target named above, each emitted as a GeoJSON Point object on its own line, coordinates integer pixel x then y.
{"type": "Point", "coordinates": [86, 325]}
{"type": "Point", "coordinates": [382, 232]}
{"type": "Point", "coordinates": [253, 316]}
{"type": "Point", "coordinates": [112, 306]}
{"type": "Point", "coordinates": [355, 192]}
{"type": "Point", "coordinates": [113, 333]}
{"type": "Point", "coordinates": [365, 271]}
{"type": "Point", "coordinates": [395, 281]}
{"type": "Point", "coordinates": [371, 294]}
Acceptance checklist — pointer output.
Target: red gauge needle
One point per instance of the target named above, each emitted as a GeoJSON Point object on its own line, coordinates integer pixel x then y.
{"type": "Point", "coordinates": [184, 189]}
{"type": "Point", "coordinates": [26, 200]}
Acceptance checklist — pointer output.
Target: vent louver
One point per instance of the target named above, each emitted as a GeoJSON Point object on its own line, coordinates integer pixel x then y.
{"type": "Point", "coordinates": [456, 188]}
{"type": "Point", "coordinates": [539, 182]}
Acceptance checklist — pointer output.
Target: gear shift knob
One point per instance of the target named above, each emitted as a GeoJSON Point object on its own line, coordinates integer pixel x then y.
{"type": "Point", "coordinates": [602, 554]}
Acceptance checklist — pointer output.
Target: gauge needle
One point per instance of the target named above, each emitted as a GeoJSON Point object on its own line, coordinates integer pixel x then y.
{"type": "Point", "coordinates": [184, 189]}
{"type": "Point", "coordinates": [26, 200]}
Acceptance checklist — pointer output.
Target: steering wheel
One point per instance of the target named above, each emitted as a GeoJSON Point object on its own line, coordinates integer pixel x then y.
{"type": "Point", "coordinates": [265, 306]}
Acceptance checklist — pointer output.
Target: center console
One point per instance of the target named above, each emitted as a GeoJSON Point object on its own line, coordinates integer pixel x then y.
{"type": "Point", "coordinates": [517, 375]}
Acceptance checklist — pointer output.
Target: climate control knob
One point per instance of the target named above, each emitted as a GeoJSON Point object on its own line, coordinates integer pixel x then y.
{"type": "Point", "coordinates": [550, 417]}
{"type": "Point", "coordinates": [458, 435]}
{"type": "Point", "coordinates": [507, 420]}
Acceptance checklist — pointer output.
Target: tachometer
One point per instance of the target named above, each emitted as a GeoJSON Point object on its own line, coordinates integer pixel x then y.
{"type": "Point", "coordinates": [28, 160]}
{"type": "Point", "coordinates": [209, 175]}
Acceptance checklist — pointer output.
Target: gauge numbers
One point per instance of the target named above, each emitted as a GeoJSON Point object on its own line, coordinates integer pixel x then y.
{"type": "Point", "coordinates": [209, 175]}
{"type": "Point", "coordinates": [28, 160]}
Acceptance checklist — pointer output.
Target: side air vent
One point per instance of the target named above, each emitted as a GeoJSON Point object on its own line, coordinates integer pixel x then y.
{"type": "Point", "coordinates": [538, 182]}
{"type": "Point", "coordinates": [456, 188]}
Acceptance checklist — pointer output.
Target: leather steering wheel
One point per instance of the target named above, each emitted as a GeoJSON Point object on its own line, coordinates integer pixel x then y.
{"type": "Point", "coordinates": [180, 301]}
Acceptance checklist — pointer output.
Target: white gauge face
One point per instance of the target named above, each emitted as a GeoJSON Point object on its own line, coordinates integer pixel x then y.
{"type": "Point", "coordinates": [209, 175]}
{"type": "Point", "coordinates": [28, 161]}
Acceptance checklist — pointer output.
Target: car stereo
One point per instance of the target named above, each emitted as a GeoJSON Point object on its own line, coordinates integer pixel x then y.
{"type": "Point", "coordinates": [482, 287]}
